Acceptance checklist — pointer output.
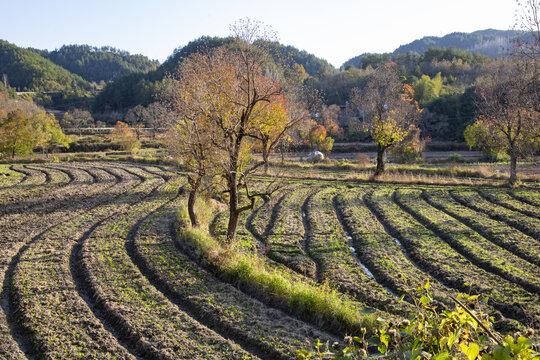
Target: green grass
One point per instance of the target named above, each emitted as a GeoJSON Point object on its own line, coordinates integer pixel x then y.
{"type": "Point", "coordinates": [321, 302]}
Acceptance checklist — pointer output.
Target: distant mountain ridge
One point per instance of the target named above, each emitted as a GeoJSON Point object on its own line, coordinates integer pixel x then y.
{"type": "Point", "coordinates": [490, 42]}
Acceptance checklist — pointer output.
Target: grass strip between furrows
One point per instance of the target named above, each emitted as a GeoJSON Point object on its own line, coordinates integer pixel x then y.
{"type": "Point", "coordinates": [37, 181]}
{"type": "Point", "coordinates": [524, 223]}
{"type": "Point", "coordinates": [48, 307]}
{"type": "Point", "coordinates": [12, 238]}
{"type": "Point", "coordinates": [529, 196]}
{"type": "Point", "coordinates": [451, 268]}
{"type": "Point", "coordinates": [477, 249]}
{"type": "Point", "coordinates": [317, 303]}
{"type": "Point", "coordinates": [141, 314]}
{"type": "Point", "coordinates": [504, 199]}
{"type": "Point", "coordinates": [263, 330]}
{"type": "Point", "coordinates": [381, 252]}
{"type": "Point", "coordinates": [497, 231]}
{"type": "Point", "coordinates": [285, 238]}
{"type": "Point", "coordinates": [9, 177]}
{"type": "Point", "coordinates": [330, 246]}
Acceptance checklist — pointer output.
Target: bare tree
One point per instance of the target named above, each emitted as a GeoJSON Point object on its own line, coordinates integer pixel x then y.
{"type": "Point", "coordinates": [78, 118]}
{"type": "Point", "coordinates": [527, 22]}
{"type": "Point", "coordinates": [135, 118]}
{"type": "Point", "coordinates": [527, 43]}
{"type": "Point", "coordinates": [508, 109]}
{"type": "Point", "coordinates": [220, 97]}
{"type": "Point", "coordinates": [389, 110]}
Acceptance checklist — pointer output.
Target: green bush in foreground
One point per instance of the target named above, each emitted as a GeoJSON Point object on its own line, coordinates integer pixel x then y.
{"type": "Point", "coordinates": [462, 333]}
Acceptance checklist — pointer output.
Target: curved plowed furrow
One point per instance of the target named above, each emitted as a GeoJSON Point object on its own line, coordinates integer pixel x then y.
{"type": "Point", "coordinates": [147, 320]}
{"type": "Point", "coordinates": [244, 238]}
{"type": "Point", "coordinates": [54, 178]}
{"type": "Point", "coordinates": [285, 237]}
{"type": "Point", "coordinates": [328, 245]}
{"type": "Point", "coordinates": [11, 241]}
{"type": "Point", "coordinates": [523, 223]}
{"type": "Point", "coordinates": [86, 182]}
{"type": "Point", "coordinates": [505, 200]}
{"type": "Point", "coordinates": [262, 218]}
{"type": "Point", "coordinates": [31, 177]}
{"type": "Point", "coordinates": [497, 231]}
{"type": "Point", "coordinates": [9, 177]}
{"type": "Point", "coordinates": [451, 268]}
{"type": "Point", "coordinates": [477, 249]}
{"type": "Point", "coordinates": [46, 304]}
{"type": "Point", "coordinates": [35, 182]}
{"type": "Point", "coordinates": [63, 177]}
{"type": "Point", "coordinates": [265, 331]}
{"type": "Point", "coordinates": [529, 196]}
{"type": "Point", "coordinates": [381, 252]}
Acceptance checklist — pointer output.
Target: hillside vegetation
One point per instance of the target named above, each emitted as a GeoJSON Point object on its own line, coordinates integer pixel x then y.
{"type": "Point", "coordinates": [99, 64]}
{"type": "Point", "coordinates": [141, 89]}
{"type": "Point", "coordinates": [28, 71]}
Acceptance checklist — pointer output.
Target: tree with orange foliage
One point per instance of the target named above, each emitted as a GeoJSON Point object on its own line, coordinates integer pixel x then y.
{"type": "Point", "coordinates": [231, 98]}
{"type": "Point", "coordinates": [125, 136]}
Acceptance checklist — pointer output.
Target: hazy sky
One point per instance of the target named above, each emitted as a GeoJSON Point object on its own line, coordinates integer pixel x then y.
{"type": "Point", "coordinates": [335, 30]}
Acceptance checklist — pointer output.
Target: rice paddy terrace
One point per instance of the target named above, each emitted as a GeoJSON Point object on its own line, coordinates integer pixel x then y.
{"type": "Point", "coordinates": [91, 267]}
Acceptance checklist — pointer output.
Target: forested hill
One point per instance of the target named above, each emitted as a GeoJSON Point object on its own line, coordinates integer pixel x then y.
{"type": "Point", "coordinates": [26, 70]}
{"type": "Point", "coordinates": [135, 89]}
{"type": "Point", "coordinates": [284, 54]}
{"type": "Point", "coordinates": [490, 42]}
{"type": "Point", "coordinates": [99, 64]}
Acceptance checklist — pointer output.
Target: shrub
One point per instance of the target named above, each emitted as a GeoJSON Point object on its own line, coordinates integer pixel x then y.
{"type": "Point", "coordinates": [429, 333]}
{"type": "Point", "coordinates": [363, 160]}
{"type": "Point", "coordinates": [455, 157]}
{"type": "Point", "coordinates": [409, 150]}
{"type": "Point", "coordinates": [126, 137]}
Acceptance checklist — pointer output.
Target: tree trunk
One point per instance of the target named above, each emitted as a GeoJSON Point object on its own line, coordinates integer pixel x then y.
{"type": "Point", "coordinates": [513, 167]}
{"type": "Point", "coordinates": [233, 208]}
{"type": "Point", "coordinates": [265, 155]}
{"type": "Point", "coordinates": [191, 208]}
{"type": "Point", "coordinates": [380, 160]}
{"type": "Point", "coordinates": [194, 187]}
{"type": "Point", "coordinates": [232, 226]}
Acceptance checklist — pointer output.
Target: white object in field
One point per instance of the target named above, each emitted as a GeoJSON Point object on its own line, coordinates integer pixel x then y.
{"type": "Point", "coordinates": [315, 157]}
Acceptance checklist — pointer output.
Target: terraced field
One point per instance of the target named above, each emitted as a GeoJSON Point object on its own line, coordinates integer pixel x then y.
{"type": "Point", "coordinates": [91, 266]}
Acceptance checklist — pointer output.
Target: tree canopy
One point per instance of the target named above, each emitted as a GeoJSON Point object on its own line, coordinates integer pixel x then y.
{"type": "Point", "coordinates": [226, 100]}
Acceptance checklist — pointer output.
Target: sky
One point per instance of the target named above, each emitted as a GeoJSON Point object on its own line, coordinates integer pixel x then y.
{"type": "Point", "coordinates": [335, 30]}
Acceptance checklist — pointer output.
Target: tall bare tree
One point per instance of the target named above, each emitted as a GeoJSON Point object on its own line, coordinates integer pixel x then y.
{"type": "Point", "coordinates": [508, 109]}
{"type": "Point", "coordinates": [221, 97]}
{"type": "Point", "coordinates": [389, 110]}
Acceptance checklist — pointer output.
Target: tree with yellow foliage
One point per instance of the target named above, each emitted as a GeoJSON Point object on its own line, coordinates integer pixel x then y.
{"type": "Point", "coordinates": [20, 135]}
{"type": "Point", "coordinates": [390, 111]}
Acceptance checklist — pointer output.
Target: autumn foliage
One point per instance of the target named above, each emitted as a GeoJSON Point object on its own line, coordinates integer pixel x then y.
{"type": "Point", "coordinates": [125, 136]}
